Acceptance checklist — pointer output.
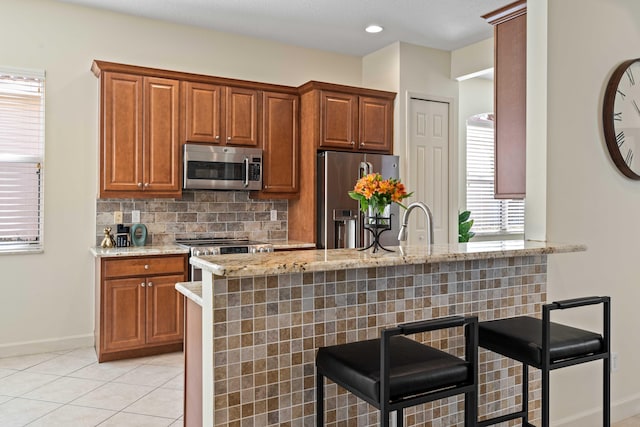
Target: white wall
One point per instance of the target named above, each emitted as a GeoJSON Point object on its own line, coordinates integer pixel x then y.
{"type": "Point", "coordinates": [381, 70]}
{"type": "Point", "coordinates": [427, 72]}
{"type": "Point", "coordinates": [588, 200]}
{"type": "Point", "coordinates": [47, 299]}
{"type": "Point", "coordinates": [472, 60]}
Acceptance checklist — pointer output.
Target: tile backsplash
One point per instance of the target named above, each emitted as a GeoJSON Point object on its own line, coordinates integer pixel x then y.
{"type": "Point", "coordinates": [196, 214]}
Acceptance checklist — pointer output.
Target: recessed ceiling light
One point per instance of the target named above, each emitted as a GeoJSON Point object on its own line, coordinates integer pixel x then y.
{"type": "Point", "coordinates": [373, 29]}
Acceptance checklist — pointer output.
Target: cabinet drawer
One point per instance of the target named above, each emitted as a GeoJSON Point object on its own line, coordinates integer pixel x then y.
{"type": "Point", "coordinates": [143, 266]}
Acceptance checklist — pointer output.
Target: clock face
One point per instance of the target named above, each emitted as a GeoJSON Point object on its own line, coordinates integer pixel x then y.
{"type": "Point", "coordinates": [621, 118]}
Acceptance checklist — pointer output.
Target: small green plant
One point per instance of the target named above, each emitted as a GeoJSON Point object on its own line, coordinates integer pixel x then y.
{"type": "Point", "coordinates": [464, 227]}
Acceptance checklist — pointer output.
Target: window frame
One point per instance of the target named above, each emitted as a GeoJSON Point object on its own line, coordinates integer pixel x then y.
{"type": "Point", "coordinates": [509, 226]}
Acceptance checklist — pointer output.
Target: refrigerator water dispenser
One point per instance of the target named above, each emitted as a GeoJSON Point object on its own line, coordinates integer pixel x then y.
{"type": "Point", "coordinates": [345, 221]}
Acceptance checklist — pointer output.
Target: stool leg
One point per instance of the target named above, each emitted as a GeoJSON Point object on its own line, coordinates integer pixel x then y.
{"type": "Point", "coordinates": [319, 400]}
{"type": "Point", "coordinates": [545, 397]}
{"type": "Point", "coordinates": [606, 393]}
{"type": "Point", "coordinates": [525, 393]}
{"type": "Point", "coordinates": [470, 409]}
{"type": "Point", "coordinates": [400, 417]}
{"type": "Point", "coordinates": [384, 417]}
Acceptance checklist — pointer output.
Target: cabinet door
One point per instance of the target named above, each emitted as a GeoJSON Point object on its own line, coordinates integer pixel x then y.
{"type": "Point", "coordinates": [376, 124]}
{"type": "Point", "coordinates": [280, 142]}
{"type": "Point", "coordinates": [121, 139]}
{"type": "Point", "coordinates": [204, 106]}
{"type": "Point", "coordinates": [161, 147]}
{"type": "Point", "coordinates": [241, 127]}
{"type": "Point", "coordinates": [338, 120]}
{"type": "Point", "coordinates": [510, 107]}
{"type": "Point", "coordinates": [123, 317]}
{"type": "Point", "coordinates": [165, 310]}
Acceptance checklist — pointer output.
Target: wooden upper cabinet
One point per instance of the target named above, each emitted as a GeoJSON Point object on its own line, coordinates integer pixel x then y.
{"type": "Point", "coordinates": [348, 118]}
{"type": "Point", "coordinates": [281, 144]}
{"type": "Point", "coordinates": [121, 150]}
{"type": "Point", "coordinates": [217, 114]}
{"type": "Point", "coordinates": [162, 146]}
{"type": "Point", "coordinates": [242, 117]}
{"type": "Point", "coordinates": [139, 145]}
{"type": "Point", "coordinates": [510, 41]}
{"type": "Point", "coordinates": [203, 109]}
{"type": "Point", "coordinates": [376, 124]}
{"type": "Point", "coordinates": [339, 120]}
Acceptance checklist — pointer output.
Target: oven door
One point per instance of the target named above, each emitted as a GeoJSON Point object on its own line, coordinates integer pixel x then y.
{"type": "Point", "coordinates": [222, 168]}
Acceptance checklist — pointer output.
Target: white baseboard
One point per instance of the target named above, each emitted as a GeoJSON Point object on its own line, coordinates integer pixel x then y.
{"type": "Point", "coordinates": [45, 346]}
{"type": "Point", "coordinates": [619, 411]}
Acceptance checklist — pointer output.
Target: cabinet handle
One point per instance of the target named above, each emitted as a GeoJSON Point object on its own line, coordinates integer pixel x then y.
{"type": "Point", "coordinates": [217, 137]}
{"type": "Point", "coordinates": [362, 144]}
{"type": "Point", "coordinates": [150, 284]}
{"type": "Point", "coordinates": [353, 143]}
{"type": "Point", "coordinates": [140, 185]}
{"type": "Point", "coordinates": [229, 138]}
{"type": "Point", "coordinates": [146, 184]}
{"type": "Point", "coordinates": [142, 284]}
{"type": "Point", "coordinates": [146, 266]}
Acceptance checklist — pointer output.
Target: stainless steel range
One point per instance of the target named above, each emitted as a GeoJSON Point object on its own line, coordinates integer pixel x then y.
{"type": "Point", "coordinates": [220, 246]}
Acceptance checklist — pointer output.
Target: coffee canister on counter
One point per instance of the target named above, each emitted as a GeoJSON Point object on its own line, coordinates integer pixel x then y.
{"type": "Point", "coordinates": [138, 234]}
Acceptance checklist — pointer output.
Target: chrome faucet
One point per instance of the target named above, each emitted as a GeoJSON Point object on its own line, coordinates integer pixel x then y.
{"type": "Point", "coordinates": [402, 236]}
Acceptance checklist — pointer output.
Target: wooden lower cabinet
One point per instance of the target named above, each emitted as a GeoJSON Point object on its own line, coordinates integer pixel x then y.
{"type": "Point", "coordinates": [138, 310]}
{"type": "Point", "coordinates": [124, 319]}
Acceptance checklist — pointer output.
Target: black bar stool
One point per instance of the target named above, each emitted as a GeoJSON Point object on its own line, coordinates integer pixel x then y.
{"type": "Point", "coordinates": [394, 372]}
{"type": "Point", "coordinates": [547, 346]}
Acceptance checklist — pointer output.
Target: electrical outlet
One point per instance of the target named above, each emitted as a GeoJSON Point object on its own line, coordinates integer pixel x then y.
{"type": "Point", "coordinates": [274, 215]}
{"type": "Point", "coordinates": [135, 217]}
{"type": "Point", "coordinates": [614, 362]}
{"type": "Point", "coordinates": [117, 217]}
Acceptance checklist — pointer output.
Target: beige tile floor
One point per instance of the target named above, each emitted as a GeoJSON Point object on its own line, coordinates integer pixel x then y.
{"type": "Point", "coordinates": [70, 388]}
{"type": "Point", "coordinates": [629, 422]}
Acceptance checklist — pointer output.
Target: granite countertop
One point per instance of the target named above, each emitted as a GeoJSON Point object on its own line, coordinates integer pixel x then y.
{"type": "Point", "coordinates": [191, 290]}
{"type": "Point", "coordinates": [99, 252]}
{"type": "Point", "coordinates": [337, 259]}
{"type": "Point", "coordinates": [291, 244]}
{"type": "Point", "coordinates": [169, 249]}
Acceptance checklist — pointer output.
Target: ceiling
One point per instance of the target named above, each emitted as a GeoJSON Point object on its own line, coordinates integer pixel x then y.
{"type": "Point", "coordinates": [332, 25]}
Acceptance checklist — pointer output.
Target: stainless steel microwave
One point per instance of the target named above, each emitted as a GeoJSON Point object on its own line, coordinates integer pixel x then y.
{"type": "Point", "coordinates": [212, 167]}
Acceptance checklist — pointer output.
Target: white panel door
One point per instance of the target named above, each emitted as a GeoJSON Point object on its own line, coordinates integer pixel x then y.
{"type": "Point", "coordinates": [429, 168]}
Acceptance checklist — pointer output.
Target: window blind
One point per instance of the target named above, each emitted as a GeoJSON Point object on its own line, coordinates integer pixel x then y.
{"type": "Point", "coordinates": [490, 215]}
{"type": "Point", "coordinates": [21, 159]}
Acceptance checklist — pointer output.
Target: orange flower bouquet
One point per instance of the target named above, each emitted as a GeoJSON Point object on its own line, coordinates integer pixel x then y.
{"type": "Point", "coordinates": [376, 193]}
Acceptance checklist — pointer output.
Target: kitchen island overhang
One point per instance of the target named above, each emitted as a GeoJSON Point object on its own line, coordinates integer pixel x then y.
{"type": "Point", "coordinates": [266, 314]}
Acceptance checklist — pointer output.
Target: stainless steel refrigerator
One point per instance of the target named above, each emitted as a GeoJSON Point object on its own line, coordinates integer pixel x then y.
{"type": "Point", "coordinates": [340, 222]}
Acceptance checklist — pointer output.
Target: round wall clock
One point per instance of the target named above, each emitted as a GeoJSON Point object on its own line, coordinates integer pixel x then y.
{"type": "Point", "coordinates": [621, 117]}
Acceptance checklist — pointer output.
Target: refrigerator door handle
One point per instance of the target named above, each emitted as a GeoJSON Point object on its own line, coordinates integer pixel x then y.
{"type": "Point", "coordinates": [364, 168]}
{"type": "Point", "coordinates": [369, 168]}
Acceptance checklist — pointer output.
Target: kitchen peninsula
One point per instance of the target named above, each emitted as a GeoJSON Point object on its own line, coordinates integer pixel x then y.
{"type": "Point", "coordinates": [265, 316]}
